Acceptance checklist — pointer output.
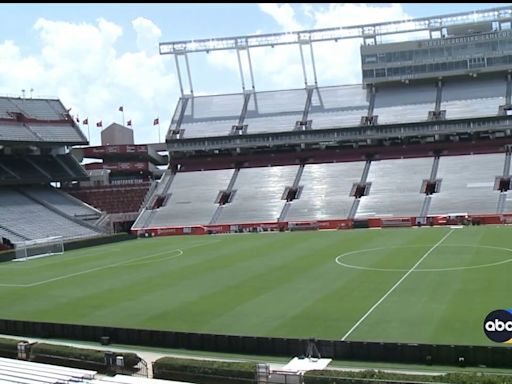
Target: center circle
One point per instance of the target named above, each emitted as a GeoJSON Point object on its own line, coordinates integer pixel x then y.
{"type": "Point", "coordinates": [339, 257]}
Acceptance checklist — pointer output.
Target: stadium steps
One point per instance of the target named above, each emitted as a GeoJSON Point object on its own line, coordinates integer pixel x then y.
{"type": "Point", "coordinates": [160, 188]}
{"type": "Point", "coordinates": [364, 177]}
{"type": "Point", "coordinates": [428, 198]}
{"type": "Point", "coordinates": [229, 189]}
{"type": "Point", "coordinates": [58, 211]}
{"type": "Point", "coordinates": [502, 199]}
{"type": "Point", "coordinates": [245, 106]}
{"type": "Point", "coordinates": [295, 185]}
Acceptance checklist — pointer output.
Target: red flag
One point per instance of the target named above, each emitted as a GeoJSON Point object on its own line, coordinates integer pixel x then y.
{"type": "Point", "coordinates": [156, 121]}
{"type": "Point", "coordinates": [129, 123]}
{"type": "Point", "coordinates": [121, 109]}
{"type": "Point", "coordinates": [99, 124]}
{"type": "Point", "coordinates": [86, 121]}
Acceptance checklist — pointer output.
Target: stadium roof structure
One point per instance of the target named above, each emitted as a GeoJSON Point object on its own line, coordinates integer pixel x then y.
{"type": "Point", "coordinates": [451, 85]}
{"type": "Point", "coordinates": [372, 34]}
{"type": "Point", "coordinates": [37, 121]}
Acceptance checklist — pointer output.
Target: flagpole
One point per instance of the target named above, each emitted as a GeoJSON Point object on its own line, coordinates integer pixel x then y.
{"type": "Point", "coordinates": [88, 131]}
{"type": "Point", "coordinates": [123, 117]}
{"type": "Point", "coordinates": [159, 130]}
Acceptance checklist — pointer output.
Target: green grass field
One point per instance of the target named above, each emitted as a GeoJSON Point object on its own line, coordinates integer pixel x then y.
{"type": "Point", "coordinates": [428, 285]}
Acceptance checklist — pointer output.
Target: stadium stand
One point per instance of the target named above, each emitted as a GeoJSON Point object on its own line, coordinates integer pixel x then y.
{"type": "Point", "coordinates": [119, 183]}
{"type": "Point", "coordinates": [35, 135]}
{"type": "Point", "coordinates": [426, 133]}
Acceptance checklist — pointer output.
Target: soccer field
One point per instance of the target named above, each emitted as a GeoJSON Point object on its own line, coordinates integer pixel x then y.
{"type": "Point", "coordinates": [418, 285]}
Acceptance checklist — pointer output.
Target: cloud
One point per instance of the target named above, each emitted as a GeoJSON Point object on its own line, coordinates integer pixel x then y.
{"type": "Point", "coordinates": [336, 63]}
{"type": "Point", "coordinates": [82, 65]}
{"type": "Point", "coordinates": [148, 34]}
{"type": "Point", "coordinates": [283, 14]}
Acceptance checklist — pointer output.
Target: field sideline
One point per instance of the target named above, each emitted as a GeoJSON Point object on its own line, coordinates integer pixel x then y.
{"type": "Point", "coordinates": [427, 285]}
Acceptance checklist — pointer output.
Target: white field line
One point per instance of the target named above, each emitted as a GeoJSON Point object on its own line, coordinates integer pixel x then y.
{"type": "Point", "coordinates": [136, 260]}
{"type": "Point", "coordinates": [394, 287]}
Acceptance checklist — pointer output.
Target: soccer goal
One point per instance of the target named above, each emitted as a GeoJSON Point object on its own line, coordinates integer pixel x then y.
{"type": "Point", "coordinates": [39, 248]}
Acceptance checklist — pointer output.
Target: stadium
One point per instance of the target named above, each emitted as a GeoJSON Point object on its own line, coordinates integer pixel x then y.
{"type": "Point", "coordinates": [363, 222]}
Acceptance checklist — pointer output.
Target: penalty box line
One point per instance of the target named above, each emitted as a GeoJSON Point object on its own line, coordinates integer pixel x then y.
{"type": "Point", "coordinates": [395, 286]}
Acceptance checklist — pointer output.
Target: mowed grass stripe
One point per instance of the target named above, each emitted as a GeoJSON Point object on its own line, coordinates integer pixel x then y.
{"type": "Point", "coordinates": [275, 284]}
{"type": "Point", "coordinates": [444, 307]}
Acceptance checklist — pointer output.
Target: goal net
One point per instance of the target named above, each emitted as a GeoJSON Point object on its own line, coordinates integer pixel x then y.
{"type": "Point", "coordinates": [39, 248]}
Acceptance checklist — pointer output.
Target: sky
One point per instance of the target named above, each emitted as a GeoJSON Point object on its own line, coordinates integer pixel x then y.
{"type": "Point", "coordinates": [96, 57]}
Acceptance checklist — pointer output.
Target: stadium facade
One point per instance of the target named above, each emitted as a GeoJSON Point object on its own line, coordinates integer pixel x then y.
{"type": "Point", "coordinates": [424, 139]}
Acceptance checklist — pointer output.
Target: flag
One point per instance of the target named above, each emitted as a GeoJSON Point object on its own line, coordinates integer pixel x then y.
{"type": "Point", "coordinates": [86, 121]}
{"type": "Point", "coordinates": [99, 124]}
{"type": "Point", "coordinates": [129, 123]}
{"type": "Point", "coordinates": [156, 121]}
{"type": "Point", "coordinates": [121, 109]}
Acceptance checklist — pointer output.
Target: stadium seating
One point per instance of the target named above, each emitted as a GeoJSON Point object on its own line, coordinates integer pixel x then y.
{"type": "Point", "coordinates": [192, 199]}
{"type": "Point", "coordinates": [275, 111]}
{"type": "Point", "coordinates": [112, 198]}
{"type": "Point", "coordinates": [55, 133]}
{"type": "Point", "coordinates": [325, 193]}
{"type": "Point", "coordinates": [467, 184]}
{"type": "Point", "coordinates": [40, 221]}
{"type": "Point", "coordinates": [258, 195]}
{"type": "Point", "coordinates": [395, 188]}
{"type": "Point", "coordinates": [40, 168]}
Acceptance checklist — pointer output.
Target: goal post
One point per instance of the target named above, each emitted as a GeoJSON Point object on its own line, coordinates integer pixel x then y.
{"type": "Point", "coordinates": [39, 248]}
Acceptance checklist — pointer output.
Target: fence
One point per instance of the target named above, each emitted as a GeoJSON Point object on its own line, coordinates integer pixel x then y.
{"type": "Point", "coordinates": [490, 356]}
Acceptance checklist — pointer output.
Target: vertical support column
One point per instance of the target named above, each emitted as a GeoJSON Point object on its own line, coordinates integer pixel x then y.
{"type": "Point", "coordinates": [189, 76]}
{"type": "Point", "coordinates": [179, 73]}
{"type": "Point", "coordinates": [302, 42]}
{"type": "Point", "coordinates": [241, 66]}
{"type": "Point", "coordinates": [439, 94]}
{"type": "Point", "coordinates": [178, 70]}
{"type": "Point", "coordinates": [303, 65]}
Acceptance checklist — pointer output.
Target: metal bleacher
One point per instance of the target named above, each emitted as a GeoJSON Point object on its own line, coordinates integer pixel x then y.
{"type": "Point", "coordinates": [395, 188]}
{"type": "Point", "coordinates": [16, 132]}
{"type": "Point", "coordinates": [62, 201]}
{"type": "Point", "coordinates": [404, 103]}
{"type": "Point", "coordinates": [467, 184]}
{"type": "Point", "coordinates": [325, 193]}
{"type": "Point", "coordinates": [56, 132]}
{"type": "Point", "coordinates": [474, 97]}
{"type": "Point", "coordinates": [39, 221]}
{"type": "Point", "coordinates": [258, 195]}
{"type": "Point", "coordinates": [25, 372]}
{"type": "Point", "coordinates": [338, 106]}
{"type": "Point", "coordinates": [192, 199]}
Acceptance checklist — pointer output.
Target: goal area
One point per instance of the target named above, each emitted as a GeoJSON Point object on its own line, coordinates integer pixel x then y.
{"type": "Point", "coordinates": [39, 248]}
